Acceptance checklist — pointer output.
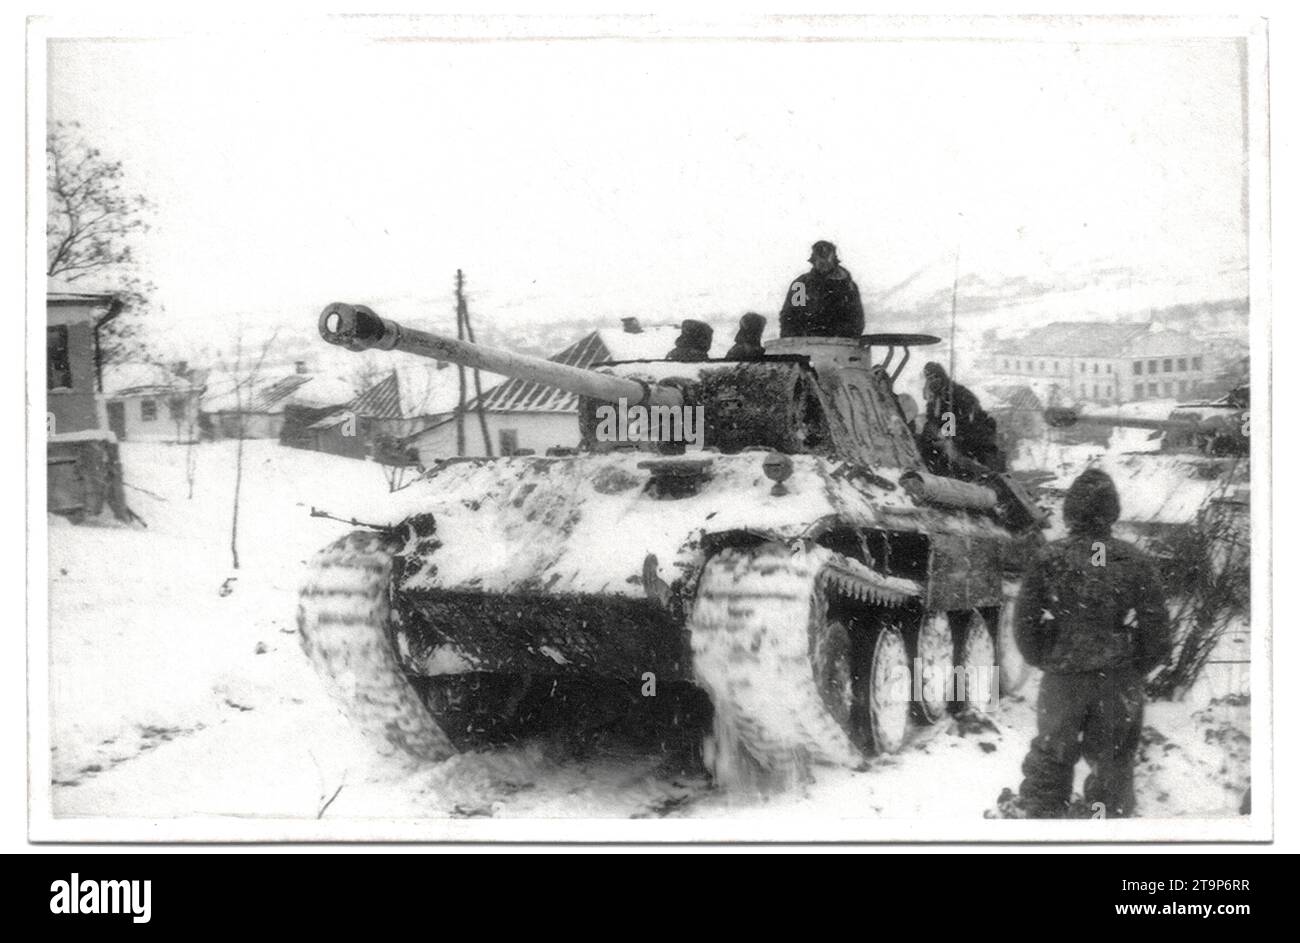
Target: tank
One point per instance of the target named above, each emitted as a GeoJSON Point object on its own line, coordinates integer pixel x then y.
{"type": "Point", "coordinates": [1217, 428]}
{"type": "Point", "coordinates": [793, 577]}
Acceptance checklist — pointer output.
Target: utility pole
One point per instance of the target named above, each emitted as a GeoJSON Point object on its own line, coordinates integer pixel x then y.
{"type": "Point", "coordinates": [460, 369]}
{"type": "Point", "coordinates": [462, 310]}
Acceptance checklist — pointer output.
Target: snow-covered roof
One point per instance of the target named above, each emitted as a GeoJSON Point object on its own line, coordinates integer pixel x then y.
{"type": "Point", "coordinates": [1076, 339]}
{"type": "Point", "coordinates": [419, 389]}
{"type": "Point", "coordinates": [273, 392]}
{"type": "Point", "coordinates": [605, 344]}
{"type": "Point", "coordinates": [128, 379]}
{"type": "Point", "coordinates": [62, 291]}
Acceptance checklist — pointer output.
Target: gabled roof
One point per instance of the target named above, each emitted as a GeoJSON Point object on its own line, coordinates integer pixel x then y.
{"type": "Point", "coordinates": [421, 389]}
{"type": "Point", "coordinates": [606, 344]}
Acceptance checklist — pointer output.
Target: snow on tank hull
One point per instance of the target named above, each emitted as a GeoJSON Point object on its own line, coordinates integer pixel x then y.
{"type": "Point", "coordinates": [558, 565]}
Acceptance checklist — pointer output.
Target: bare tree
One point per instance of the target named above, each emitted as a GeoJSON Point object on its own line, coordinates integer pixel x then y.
{"type": "Point", "coordinates": [246, 373]}
{"type": "Point", "coordinates": [91, 226]}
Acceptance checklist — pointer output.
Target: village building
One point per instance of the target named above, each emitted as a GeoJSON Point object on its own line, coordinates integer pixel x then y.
{"type": "Point", "coordinates": [147, 402]}
{"type": "Point", "coordinates": [1100, 362]}
{"type": "Point", "coordinates": [525, 417]}
{"type": "Point", "coordinates": [72, 357]}
{"type": "Point", "coordinates": [84, 471]}
{"type": "Point", "coordinates": [258, 407]}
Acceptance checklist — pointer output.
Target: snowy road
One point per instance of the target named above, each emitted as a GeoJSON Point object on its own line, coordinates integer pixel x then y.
{"type": "Point", "coordinates": [170, 698]}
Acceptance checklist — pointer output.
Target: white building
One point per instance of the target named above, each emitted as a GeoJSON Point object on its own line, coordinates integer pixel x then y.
{"type": "Point", "coordinates": [149, 402]}
{"type": "Point", "coordinates": [1094, 361]}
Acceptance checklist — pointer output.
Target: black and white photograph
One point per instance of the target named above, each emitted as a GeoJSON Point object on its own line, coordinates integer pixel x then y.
{"type": "Point", "coordinates": [649, 429]}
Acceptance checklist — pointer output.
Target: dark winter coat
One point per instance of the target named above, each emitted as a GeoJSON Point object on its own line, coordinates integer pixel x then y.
{"type": "Point", "coordinates": [832, 306]}
{"type": "Point", "coordinates": [975, 432]}
{"type": "Point", "coordinates": [1092, 602]}
{"type": "Point", "coordinates": [749, 339]}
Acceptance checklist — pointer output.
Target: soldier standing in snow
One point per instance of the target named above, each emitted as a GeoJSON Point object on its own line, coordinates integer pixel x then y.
{"type": "Point", "coordinates": [823, 302]}
{"type": "Point", "coordinates": [1092, 616]}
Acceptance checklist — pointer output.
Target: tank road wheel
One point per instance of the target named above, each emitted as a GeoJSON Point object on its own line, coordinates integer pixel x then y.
{"type": "Point", "coordinates": [934, 650]}
{"type": "Point", "coordinates": [1014, 670]}
{"type": "Point", "coordinates": [978, 685]}
{"type": "Point", "coordinates": [785, 698]}
{"type": "Point", "coordinates": [833, 669]}
{"type": "Point", "coordinates": [343, 623]}
{"type": "Point", "coordinates": [888, 690]}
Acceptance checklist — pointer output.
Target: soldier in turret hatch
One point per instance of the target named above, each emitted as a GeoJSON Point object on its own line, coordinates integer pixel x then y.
{"type": "Point", "coordinates": [749, 339]}
{"type": "Point", "coordinates": [823, 302]}
{"type": "Point", "coordinates": [693, 343]}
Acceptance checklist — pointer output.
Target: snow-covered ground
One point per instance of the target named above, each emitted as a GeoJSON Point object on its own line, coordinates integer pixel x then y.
{"type": "Point", "coordinates": [179, 691]}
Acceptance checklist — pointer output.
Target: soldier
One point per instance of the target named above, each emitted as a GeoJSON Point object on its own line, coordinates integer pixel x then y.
{"type": "Point", "coordinates": [958, 437]}
{"type": "Point", "coordinates": [693, 343]}
{"type": "Point", "coordinates": [749, 339]}
{"type": "Point", "coordinates": [823, 302]}
{"type": "Point", "coordinates": [1092, 616]}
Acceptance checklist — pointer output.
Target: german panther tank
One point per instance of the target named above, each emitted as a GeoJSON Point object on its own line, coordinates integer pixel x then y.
{"type": "Point", "coordinates": [796, 565]}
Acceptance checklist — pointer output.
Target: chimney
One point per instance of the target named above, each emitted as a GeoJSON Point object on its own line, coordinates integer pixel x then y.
{"type": "Point", "coordinates": [631, 326]}
{"type": "Point", "coordinates": [300, 366]}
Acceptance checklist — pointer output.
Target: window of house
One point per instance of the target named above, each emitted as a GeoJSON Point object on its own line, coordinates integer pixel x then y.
{"type": "Point", "coordinates": [176, 409]}
{"type": "Point", "coordinates": [1006, 364]}
{"type": "Point", "coordinates": [1137, 390]}
{"type": "Point", "coordinates": [1017, 364]}
{"type": "Point", "coordinates": [1169, 388]}
{"type": "Point", "coordinates": [1153, 389]}
{"type": "Point", "coordinates": [1108, 368]}
{"type": "Point", "coordinates": [1137, 368]}
{"type": "Point", "coordinates": [1095, 394]}
{"type": "Point", "coordinates": [1056, 366]}
{"type": "Point", "coordinates": [1182, 364]}
{"type": "Point", "coordinates": [1169, 365]}
{"type": "Point", "coordinates": [509, 440]}
{"type": "Point", "coordinates": [1182, 387]}
{"type": "Point", "coordinates": [1042, 366]}
{"type": "Point", "coordinates": [58, 371]}
{"type": "Point", "coordinates": [1151, 366]}
{"type": "Point", "coordinates": [1196, 363]}
{"type": "Point", "coordinates": [148, 410]}
{"type": "Point", "coordinates": [1094, 368]}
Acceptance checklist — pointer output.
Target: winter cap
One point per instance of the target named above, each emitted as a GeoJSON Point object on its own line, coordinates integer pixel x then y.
{"type": "Point", "coordinates": [1091, 501]}
{"type": "Point", "coordinates": [823, 250]}
{"type": "Point", "coordinates": [695, 334]}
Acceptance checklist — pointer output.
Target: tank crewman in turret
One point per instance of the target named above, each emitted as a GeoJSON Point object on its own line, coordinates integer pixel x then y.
{"type": "Point", "coordinates": [693, 343]}
{"type": "Point", "coordinates": [959, 438]}
{"type": "Point", "coordinates": [749, 339]}
{"type": "Point", "coordinates": [1092, 616]}
{"type": "Point", "coordinates": [824, 302]}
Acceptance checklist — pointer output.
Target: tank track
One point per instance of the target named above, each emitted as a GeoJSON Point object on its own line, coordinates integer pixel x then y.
{"type": "Point", "coordinates": [749, 628]}
{"type": "Point", "coordinates": [343, 616]}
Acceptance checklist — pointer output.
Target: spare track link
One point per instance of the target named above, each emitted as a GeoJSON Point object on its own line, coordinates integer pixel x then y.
{"type": "Point", "coordinates": [343, 617]}
{"type": "Point", "coordinates": [750, 640]}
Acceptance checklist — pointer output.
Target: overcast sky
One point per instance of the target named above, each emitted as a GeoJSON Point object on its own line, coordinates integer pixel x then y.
{"type": "Point", "coordinates": [661, 179]}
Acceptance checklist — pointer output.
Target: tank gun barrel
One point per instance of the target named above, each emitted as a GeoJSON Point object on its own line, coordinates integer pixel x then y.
{"type": "Point", "coordinates": [1063, 417]}
{"type": "Point", "coordinates": [358, 328]}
